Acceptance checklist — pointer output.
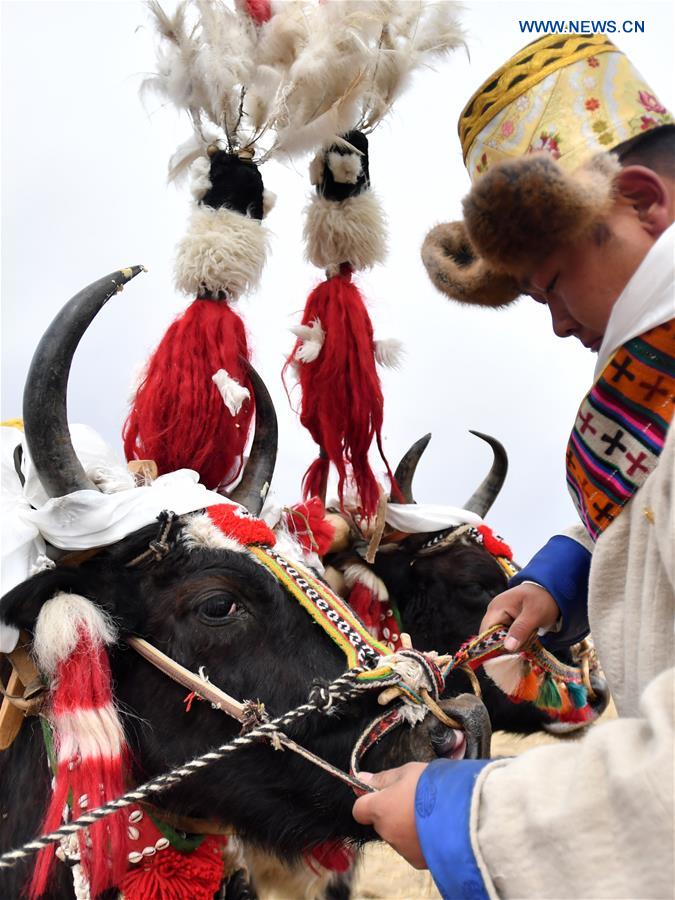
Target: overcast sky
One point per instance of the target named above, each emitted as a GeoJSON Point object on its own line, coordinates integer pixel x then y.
{"type": "Point", "coordinates": [84, 192]}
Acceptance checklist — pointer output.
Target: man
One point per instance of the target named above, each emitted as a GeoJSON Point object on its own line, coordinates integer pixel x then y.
{"type": "Point", "coordinates": [590, 234]}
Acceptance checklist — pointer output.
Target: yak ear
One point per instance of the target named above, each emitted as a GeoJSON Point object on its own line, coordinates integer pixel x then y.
{"type": "Point", "coordinates": [21, 606]}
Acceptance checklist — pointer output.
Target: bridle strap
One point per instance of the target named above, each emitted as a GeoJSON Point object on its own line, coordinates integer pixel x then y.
{"type": "Point", "coordinates": [250, 713]}
{"type": "Point", "coordinates": [188, 679]}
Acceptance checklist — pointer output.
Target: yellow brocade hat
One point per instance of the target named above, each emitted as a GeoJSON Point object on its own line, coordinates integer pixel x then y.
{"type": "Point", "coordinates": [534, 139]}
{"type": "Point", "coordinates": [572, 96]}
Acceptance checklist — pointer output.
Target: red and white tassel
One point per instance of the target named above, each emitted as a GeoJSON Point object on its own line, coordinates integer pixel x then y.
{"type": "Point", "coordinates": [369, 598]}
{"type": "Point", "coordinates": [71, 635]}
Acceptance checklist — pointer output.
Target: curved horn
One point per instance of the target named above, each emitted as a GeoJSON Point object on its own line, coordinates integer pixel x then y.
{"type": "Point", "coordinates": [255, 481]}
{"type": "Point", "coordinates": [45, 412]}
{"type": "Point", "coordinates": [485, 495]}
{"type": "Point", "coordinates": [405, 470]}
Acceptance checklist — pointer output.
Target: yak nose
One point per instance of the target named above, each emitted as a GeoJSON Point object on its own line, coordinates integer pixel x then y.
{"type": "Point", "coordinates": [448, 743]}
{"type": "Point", "coordinates": [474, 720]}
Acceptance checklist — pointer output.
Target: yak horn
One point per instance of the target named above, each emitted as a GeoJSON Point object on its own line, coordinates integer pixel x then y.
{"type": "Point", "coordinates": [482, 499]}
{"type": "Point", "coordinates": [45, 412]}
{"type": "Point", "coordinates": [405, 470]}
{"type": "Point", "coordinates": [255, 480]}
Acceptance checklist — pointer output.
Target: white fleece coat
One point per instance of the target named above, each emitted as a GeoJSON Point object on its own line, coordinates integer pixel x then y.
{"type": "Point", "coordinates": [594, 818]}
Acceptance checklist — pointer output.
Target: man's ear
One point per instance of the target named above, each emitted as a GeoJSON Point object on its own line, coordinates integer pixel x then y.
{"type": "Point", "coordinates": [647, 193]}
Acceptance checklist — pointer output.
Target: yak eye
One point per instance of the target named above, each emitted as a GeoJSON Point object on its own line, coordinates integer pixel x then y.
{"type": "Point", "coordinates": [216, 609]}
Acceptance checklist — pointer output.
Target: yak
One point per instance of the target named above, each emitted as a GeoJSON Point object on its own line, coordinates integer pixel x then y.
{"type": "Point", "coordinates": [442, 582]}
{"type": "Point", "coordinates": [204, 606]}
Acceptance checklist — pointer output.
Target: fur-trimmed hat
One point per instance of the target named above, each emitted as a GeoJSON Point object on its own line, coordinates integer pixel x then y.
{"type": "Point", "coordinates": [536, 138]}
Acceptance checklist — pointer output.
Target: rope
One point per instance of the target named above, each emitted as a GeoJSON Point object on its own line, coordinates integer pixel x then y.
{"type": "Point", "coordinates": [323, 698]}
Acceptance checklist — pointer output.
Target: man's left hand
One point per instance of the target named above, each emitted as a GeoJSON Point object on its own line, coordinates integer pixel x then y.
{"type": "Point", "coordinates": [391, 810]}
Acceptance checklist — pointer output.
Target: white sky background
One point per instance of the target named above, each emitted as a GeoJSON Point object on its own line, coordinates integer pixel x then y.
{"type": "Point", "coordinates": [84, 193]}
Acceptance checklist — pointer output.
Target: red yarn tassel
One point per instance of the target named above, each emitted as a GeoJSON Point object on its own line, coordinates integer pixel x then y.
{"type": "Point", "coordinates": [342, 403]}
{"type": "Point", "coordinates": [332, 855]}
{"type": "Point", "coordinates": [173, 875]}
{"type": "Point", "coordinates": [307, 521]}
{"type": "Point", "coordinates": [259, 10]}
{"type": "Point", "coordinates": [178, 417]}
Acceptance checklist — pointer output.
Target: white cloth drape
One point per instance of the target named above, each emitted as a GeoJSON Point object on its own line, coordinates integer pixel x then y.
{"type": "Point", "coordinates": [84, 519]}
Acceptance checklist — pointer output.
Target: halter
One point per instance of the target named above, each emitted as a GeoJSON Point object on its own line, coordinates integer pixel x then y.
{"type": "Point", "coordinates": [371, 666]}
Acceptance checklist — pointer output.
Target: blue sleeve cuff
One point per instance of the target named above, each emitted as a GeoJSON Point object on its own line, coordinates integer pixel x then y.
{"type": "Point", "coordinates": [442, 814]}
{"type": "Point", "coordinates": [562, 567]}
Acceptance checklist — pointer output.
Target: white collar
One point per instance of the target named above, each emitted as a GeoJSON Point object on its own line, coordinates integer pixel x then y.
{"type": "Point", "coordinates": [647, 300]}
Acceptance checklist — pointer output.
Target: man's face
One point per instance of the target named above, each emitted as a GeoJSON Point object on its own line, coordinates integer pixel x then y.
{"type": "Point", "coordinates": [580, 283]}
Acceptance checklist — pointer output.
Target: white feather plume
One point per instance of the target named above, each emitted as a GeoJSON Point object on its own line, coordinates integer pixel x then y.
{"type": "Point", "coordinates": [310, 73]}
{"type": "Point", "coordinates": [389, 352]}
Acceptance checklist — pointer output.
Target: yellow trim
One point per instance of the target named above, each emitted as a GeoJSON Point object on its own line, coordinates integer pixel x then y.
{"type": "Point", "coordinates": [13, 423]}
{"type": "Point", "coordinates": [323, 590]}
{"type": "Point", "coordinates": [507, 566]}
{"type": "Point", "coordinates": [536, 61]}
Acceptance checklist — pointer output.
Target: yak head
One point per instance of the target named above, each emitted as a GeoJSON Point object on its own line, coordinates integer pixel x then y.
{"type": "Point", "coordinates": [441, 582]}
{"type": "Point", "coordinates": [210, 606]}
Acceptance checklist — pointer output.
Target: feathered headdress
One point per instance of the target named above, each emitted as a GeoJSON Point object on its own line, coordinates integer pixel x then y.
{"type": "Point", "coordinates": [252, 80]}
{"type": "Point", "coordinates": [336, 354]}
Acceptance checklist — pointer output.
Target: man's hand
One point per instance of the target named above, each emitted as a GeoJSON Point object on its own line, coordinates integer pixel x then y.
{"type": "Point", "coordinates": [391, 810]}
{"type": "Point", "coordinates": [525, 608]}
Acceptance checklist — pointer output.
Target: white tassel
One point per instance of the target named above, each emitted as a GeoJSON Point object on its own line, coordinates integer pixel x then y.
{"type": "Point", "coordinates": [506, 671]}
{"type": "Point", "coordinates": [389, 352]}
{"type": "Point", "coordinates": [200, 177]}
{"type": "Point", "coordinates": [353, 230]}
{"type": "Point", "coordinates": [221, 251]}
{"type": "Point", "coordinates": [316, 168]}
{"type": "Point", "coordinates": [312, 337]}
{"type": "Point", "coordinates": [269, 200]}
{"type": "Point", "coordinates": [231, 391]}
{"type": "Point", "coordinates": [346, 167]}
{"type": "Point", "coordinates": [58, 625]}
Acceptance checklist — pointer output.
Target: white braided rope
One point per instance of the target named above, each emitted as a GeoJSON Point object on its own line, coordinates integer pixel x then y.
{"type": "Point", "coordinates": [325, 699]}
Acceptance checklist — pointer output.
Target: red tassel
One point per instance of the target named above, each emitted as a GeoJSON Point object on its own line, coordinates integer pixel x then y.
{"type": "Point", "coordinates": [494, 544]}
{"type": "Point", "coordinates": [259, 10]}
{"type": "Point", "coordinates": [342, 403]}
{"type": "Point", "coordinates": [178, 417]}
{"type": "Point", "coordinates": [332, 855]}
{"type": "Point", "coordinates": [240, 525]}
{"type": "Point", "coordinates": [173, 875]}
{"type": "Point", "coordinates": [307, 521]}
{"type": "Point", "coordinates": [366, 606]}
{"type": "Point", "coordinates": [377, 615]}
{"type": "Point", "coordinates": [576, 714]}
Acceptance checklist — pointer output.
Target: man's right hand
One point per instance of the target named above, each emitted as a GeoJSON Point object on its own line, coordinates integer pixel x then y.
{"type": "Point", "coordinates": [525, 608]}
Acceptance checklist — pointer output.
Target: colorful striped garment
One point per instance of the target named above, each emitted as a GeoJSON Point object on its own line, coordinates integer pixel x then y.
{"type": "Point", "coordinates": [621, 427]}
